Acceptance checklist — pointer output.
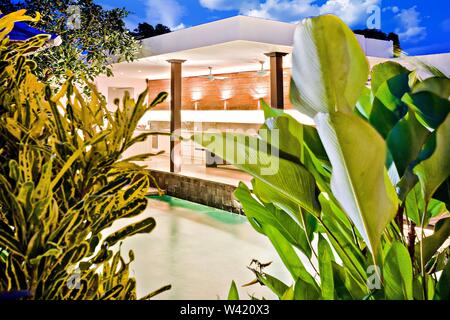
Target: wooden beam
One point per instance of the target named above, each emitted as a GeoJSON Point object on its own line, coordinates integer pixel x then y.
{"type": "Point", "coordinates": [276, 79]}
{"type": "Point", "coordinates": [175, 114]}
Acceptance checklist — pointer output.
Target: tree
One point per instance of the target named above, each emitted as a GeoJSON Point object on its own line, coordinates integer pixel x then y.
{"type": "Point", "coordinates": [92, 38]}
{"type": "Point", "coordinates": [145, 30]}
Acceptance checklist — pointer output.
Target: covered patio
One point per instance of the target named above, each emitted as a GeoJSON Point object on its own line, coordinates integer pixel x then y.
{"type": "Point", "coordinates": [215, 74]}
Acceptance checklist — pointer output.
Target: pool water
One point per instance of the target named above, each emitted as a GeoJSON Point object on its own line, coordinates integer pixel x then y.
{"type": "Point", "coordinates": [198, 250]}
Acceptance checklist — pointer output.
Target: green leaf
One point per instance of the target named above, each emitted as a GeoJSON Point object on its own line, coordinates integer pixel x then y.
{"type": "Point", "coordinates": [233, 294]}
{"type": "Point", "coordinates": [325, 257]}
{"type": "Point", "coordinates": [438, 85]}
{"type": "Point", "coordinates": [249, 154]}
{"type": "Point", "coordinates": [397, 273]}
{"type": "Point", "coordinates": [383, 72]}
{"type": "Point", "coordinates": [289, 294]}
{"type": "Point", "coordinates": [270, 112]}
{"type": "Point", "coordinates": [443, 193]}
{"type": "Point", "coordinates": [359, 178]}
{"type": "Point", "coordinates": [382, 118]}
{"type": "Point", "coordinates": [288, 136]}
{"type": "Point", "coordinates": [405, 141]}
{"type": "Point", "coordinates": [305, 291]}
{"type": "Point", "coordinates": [433, 171]}
{"type": "Point", "coordinates": [345, 286]}
{"type": "Point", "coordinates": [443, 286]}
{"type": "Point", "coordinates": [431, 109]}
{"type": "Point", "coordinates": [391, 91]}
{"type": "Point", "coordinates": [340, 235]}
{"type": "Point", "coordinates": [432, 243]}
{"type": "Point", "coordinates": [311, 139]}
{"type": "Point", "coordinates": [268, 195]}
{"type": "Point", "coordinates": [156, 292]}
{"type": "Point", "coordinates": [259, 215]}
{"type": "Point", "coordinates": [322, 84]}
{"type": "Point", "coordinates": [415, 205]}
{"type": "Point", "coordinates": [160, 98]}
{"type": "Point", "coordinates": [289, 256]}
{"type": "Point", "coordinates": [8, 241]}
{"type": "Point", "coordinates": [144, 226]}
{"type": "Point", "coordinates": [275, 285]}
{"type": "Point", "coordinates": [364, 103]}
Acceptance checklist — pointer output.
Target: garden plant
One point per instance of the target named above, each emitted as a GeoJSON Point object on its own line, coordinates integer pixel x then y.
{"type": "Point", "coordinates": [64, 181]}
{"type": "Point", "coordinates": [349, 207]}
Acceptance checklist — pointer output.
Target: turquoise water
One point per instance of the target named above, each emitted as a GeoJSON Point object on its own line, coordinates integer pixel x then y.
{"type": "Point", "coordinates": [198, 250]}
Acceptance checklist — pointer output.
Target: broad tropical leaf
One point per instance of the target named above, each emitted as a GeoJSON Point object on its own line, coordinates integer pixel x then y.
{"type": "Point", "coordinates": [252, 155]}
{"type": "Point", "coordinates": [359, 180]}
{"type": "Point", "coordinates": [322, 84]}
{"type": "Point", "coordinates": [397, 273]}
{"type": "Point", "coordinates": [433, 171]}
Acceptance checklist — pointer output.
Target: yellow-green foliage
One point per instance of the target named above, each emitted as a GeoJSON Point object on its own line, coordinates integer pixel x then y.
{"type": "Point", "coordinates": [63, 181]}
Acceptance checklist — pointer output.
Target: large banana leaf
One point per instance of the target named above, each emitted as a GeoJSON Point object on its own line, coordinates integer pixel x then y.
{"type": "Point", "coordinates": [341, 238]}
{"type": "Point", "coordinates": [252, 155]}
{"type": "Point", "coordinates": [258, 215]}
{"type": "Point", "coordinates": [383, 72]}
{"type": "Point", "coordinates": [431, 108]}
{"type": "Point", "coordinates": [326, 259]}
{"type": "Point", "coordinates": [359, 179]}
{"type": "Point", "coordinates": [291, 259]}
{"type": "Point", "coordinates": [397, 273]}
{"type": "Point", "coordinates": [329, 68]}
{"type": "Point", "coordinates": [433, 171]}
{"type": "Point", "coordinates": [431, 244]}
{"type": "Point", "coordinates": [405, 141]}
{"type": "Point", "coordinates": [440, 86]}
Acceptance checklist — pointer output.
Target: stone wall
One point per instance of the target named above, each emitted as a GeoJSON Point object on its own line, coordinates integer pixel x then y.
{"type": "Point", "coordinates": [210, 193]}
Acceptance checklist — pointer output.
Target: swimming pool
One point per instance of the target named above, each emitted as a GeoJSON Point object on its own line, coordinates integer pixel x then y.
{"type": "Point", "coordinates": [198, 250]}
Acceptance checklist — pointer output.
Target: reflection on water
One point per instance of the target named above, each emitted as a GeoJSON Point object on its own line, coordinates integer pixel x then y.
{"type": "Point", "coordinates": [198, 250]}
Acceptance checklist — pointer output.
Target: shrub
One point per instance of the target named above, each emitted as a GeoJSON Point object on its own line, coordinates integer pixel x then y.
{"type": "Point", "coordinates": [375, 163]}
{"type": "Point", "coordinates": [63, 182]}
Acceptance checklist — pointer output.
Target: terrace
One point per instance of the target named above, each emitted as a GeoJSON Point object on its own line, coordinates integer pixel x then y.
{"type": "Point", "coordinates": [250, 59]}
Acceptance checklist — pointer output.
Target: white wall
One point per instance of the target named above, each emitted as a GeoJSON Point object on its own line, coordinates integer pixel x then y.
{"type": "Point", "coordinates": [379, 48]}
{"type": "Point", "coordinates": [440, 61]}
{"type": "Point", "coordinates": [103, 83]}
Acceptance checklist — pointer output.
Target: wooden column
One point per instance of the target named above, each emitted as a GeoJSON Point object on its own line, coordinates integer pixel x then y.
{"type": "Point", "coordinates": [276, 79]}
{"type": "Point", "coordinates": [175, 114]}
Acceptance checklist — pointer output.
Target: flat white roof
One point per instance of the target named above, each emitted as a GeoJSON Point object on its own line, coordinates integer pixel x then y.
{"type": "Point", "coordinates": [228, 45]}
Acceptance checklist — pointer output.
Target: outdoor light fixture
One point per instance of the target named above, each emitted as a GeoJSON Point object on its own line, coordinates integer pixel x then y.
{"type": "Point", "coordinates": [196, 96]}
{"type": "Point", "coordinates": [226, 94]}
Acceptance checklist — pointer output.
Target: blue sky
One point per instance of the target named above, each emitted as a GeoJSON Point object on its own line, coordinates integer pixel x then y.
{"type": "Point", "coordinates": [423, 26]}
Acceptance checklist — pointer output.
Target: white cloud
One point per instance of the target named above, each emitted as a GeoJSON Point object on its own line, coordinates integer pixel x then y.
{"type": "Point", "coordinates": [178, 27]}
{"type": "Point", "coordinates": [351, 11]}
{"type": "Point", "coordinates": [410, 29]}
{"type": "Point", "coordinates": [286, 10]}
{"type": "Point", "coordinates": [394, 9]}
{"type": "Point", "coordinates": [167, 12]}
{"type": "Point", "coordinates": [228, 4]}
